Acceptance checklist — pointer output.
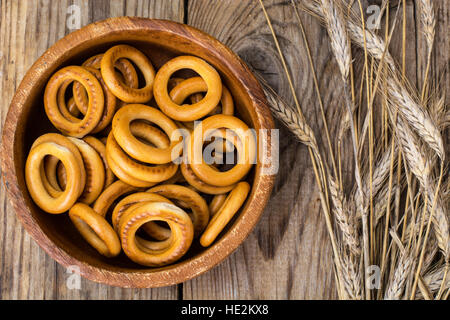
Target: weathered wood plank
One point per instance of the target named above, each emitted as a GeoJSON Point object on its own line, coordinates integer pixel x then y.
{"type": "Point", "coordinates": [28, 28]}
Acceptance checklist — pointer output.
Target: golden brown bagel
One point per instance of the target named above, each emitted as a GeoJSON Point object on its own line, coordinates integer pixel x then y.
{"type": "Point", "coordinates": [111, 194]}
{"type": "Point", "coordinates": [63, 149]}
{"type": "Point", "coordinates": [114, 83]}
{"type": "Point", "coordinates": [95, 229]}
{"type": "Point", "coordinates": [156, 231]}
{"type": "Point", "coordinates": [182, 233]}
{"type": "Point", "coordinates": [194, 111]}
{"type": "Point", "coordinates": [191, 199]}
{"type": "Point", "coordinates": [76, 128]}
{"type": "Point", "coordinates": [232, 203]}
{"type": "Point", "coordinates": [246, 146]}
{"type": "Point", "coordinates": [137, 149]}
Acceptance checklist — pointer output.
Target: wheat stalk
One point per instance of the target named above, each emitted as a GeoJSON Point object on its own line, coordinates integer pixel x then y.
{"type": "Point", "coordinates": [410, 110]}
{"type": "Point", "coordinates": [408, 106]}
{"type": "Point", "coordinates": [344, 219]}
{"type": "Point", "coordinates": [439, 112]}
{"type": "Point", "coordinates": [428, 20]}
{"type": "Point", "coordinates": [292, 120]}
{"type": "Point", "coordinates": [351, 278]}
{"type": "Point", "coordinates": [396, 286]}
{"type": "Point", "coordinates": [429, 29]}
{"type": "Point", "coordinates": [318, 165]}
{"type": "Point", "coordinates": [416, 116]}
{"type": "Point", "coordinates": [416, 139]}
{"type": "Point", "coordinates": [340, 44]}
{"type": "Point", "coordinates": [420, 165]}
{"type": "Point", "coordinates": [381, 202]}
{"type": "Point", "coordinates": [434, 279]}
{"type": "Point", "coordinates": [337, 33]}
{"type": "Point", "coordinates": [374, 44]}
{"type": "Point", "coordinates": [380, 175]}
{"type": "Point", "coordinates": [316, 86]}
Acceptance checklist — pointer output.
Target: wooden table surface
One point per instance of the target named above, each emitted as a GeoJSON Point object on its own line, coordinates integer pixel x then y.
{"type": "Point", "coordinates": [287, 256]}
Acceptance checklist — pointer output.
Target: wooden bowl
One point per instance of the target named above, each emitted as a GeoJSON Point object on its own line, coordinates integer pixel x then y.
{"type": "Point", "coordinates": [26, 120]}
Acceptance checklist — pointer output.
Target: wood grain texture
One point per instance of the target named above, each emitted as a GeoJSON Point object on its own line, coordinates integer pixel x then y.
{"type": "Point", "coordinates": [288, 254]}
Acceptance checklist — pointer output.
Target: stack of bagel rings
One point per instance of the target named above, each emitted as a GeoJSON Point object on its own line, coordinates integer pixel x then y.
{"type": "Point", "coordinates": [128, 163]}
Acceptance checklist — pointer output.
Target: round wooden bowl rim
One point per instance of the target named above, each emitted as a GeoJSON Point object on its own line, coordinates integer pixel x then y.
{"type": "Point", "coordinates": [132, 278]}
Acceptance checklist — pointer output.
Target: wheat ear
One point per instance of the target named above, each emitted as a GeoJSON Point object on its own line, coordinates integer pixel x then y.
{"type": "Point", "coordinates": [408, 106]}
{"type": "Point", "coordinates": [434, 279]}
{"type": "Point", "coordinates": [344, 219]}
{"type": "Point", "coordinates": [340, 44]}
{"type": "Point", "coordinates": [317, 162]}
{"type": "Point", "coordinates": [428, 20]}
{"type": "Point", "coordinates": [396, 286]}
{"type": "Point", "coordinates": [351, 277]}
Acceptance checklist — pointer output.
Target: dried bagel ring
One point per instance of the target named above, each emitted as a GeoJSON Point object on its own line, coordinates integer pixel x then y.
{"type": "Point", "coordinates": [189, 87]}
{"type": "Point", "coordinates": [120, 90]}
{"type": "Point", "coordinates": [142, 131]}
{"type": "Point", "coordinates": [49, 176]}
{"type": "Point", "coordinates": [96, 102]}
{"type": "Point", "coordinates": [127, 72]}
{"type": "Point", "coordinates": [82, 101]}
{"type": "Point", "coordinates": [95, 229]}
{"type": "Point", "coordinates": [109, 195]}
{"type": "Point", "coordinates": [246, 150]}
{"type": "Point", "coordinates": [216, 203]}
{"type": "Point", "coordinates": [191, 199]}
{"type": "Point", "coordinates": [194, 111]}
{"type": "Point", "coordinates": [195, 85]}
{"type": "Point", "coordinates": [95, 171]}
{"type": "Point", "coordinates": [180, 224]}
{"type": "Point", "coordinates": [141, 242]}
{"type": "Point", "coordinates": [137, 149]}
{"type": "Point", "coordinates": [232, 203]}
{"type": "Point", "coordinates": [101, 150]}
{"type": "Point", "coordinates": [200, 185]}
{"type": "Point", "coordinates": [69, 110]}
{"type": "Point", "coordinates": [63, 149]}
{"type": "Point", "coordinates": [124, 66]}
{"type": "Point", "coordinates": [125, 177]}
{"type": "Point", "coordinates": [48, 172]}
{"type": "Point", "coordinates": [156, 231]}
{"type": "Point", "coordinates": [147, 173]}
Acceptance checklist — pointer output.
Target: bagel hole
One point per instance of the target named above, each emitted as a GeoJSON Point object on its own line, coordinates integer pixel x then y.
{"type": "Point", "coordinates": [68, 95]}
{"type": "Point", "coordinates": [182, 74]}
{"type": "Point", "coordinates": [61, 175]}
{"type": "Point", "coordinates": [140, 75]}
{"type": "Point", "coordinates": [223, 157]}
{"type": "Point", "coordinates": [146, 236]}
{"type": "Point", "coordinates": [47, 160]}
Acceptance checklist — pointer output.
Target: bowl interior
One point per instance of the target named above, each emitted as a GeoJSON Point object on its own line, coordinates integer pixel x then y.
{"type": "Point", "coordinates": [159, 45]}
